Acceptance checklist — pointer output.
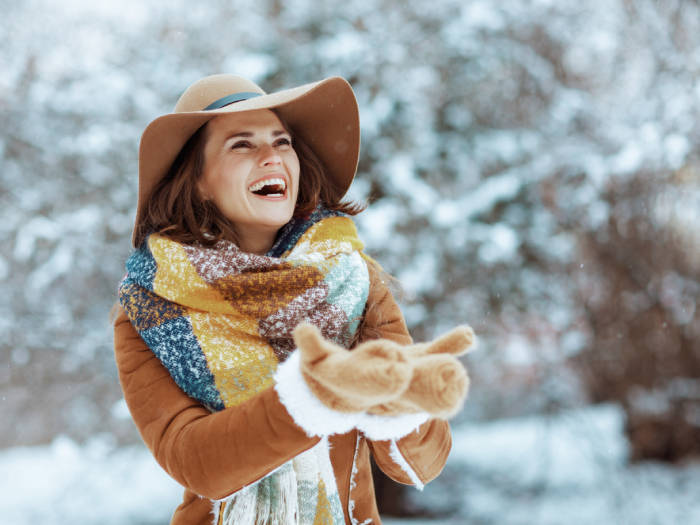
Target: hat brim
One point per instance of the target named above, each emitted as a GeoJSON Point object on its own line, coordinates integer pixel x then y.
{"type": "Point", "coordinates": [323, 114]}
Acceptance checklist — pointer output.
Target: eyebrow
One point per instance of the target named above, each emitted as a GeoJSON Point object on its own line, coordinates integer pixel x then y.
{"type": "Point", "coordinates": [275, 133]}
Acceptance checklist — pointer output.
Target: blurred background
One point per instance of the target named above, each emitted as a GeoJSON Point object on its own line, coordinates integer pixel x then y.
{"type": "Point", "coordinates": [532, 168]}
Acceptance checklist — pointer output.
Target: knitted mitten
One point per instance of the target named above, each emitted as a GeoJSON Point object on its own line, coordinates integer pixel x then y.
{"type": "Point", "coordinates": [439, 383]}
{"type": "Point", "coordinates": [375, 372]}
{"type": "Point", "coordinates": [383, 377]}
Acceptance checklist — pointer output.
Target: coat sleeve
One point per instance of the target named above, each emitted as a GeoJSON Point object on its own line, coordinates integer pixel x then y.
{"type": "Point", "coordinates": [420, 456]}
{"type": "Point", "coordinates": [212, 454]}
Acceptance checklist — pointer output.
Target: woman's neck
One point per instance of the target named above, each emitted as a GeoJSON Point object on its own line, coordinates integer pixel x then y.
{"type": "Point", "coordinates": [257, 241]}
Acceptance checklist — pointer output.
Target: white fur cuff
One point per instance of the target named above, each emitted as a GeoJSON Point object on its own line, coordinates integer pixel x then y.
{"type": "Point", "coordinates": [305, 408]}
{"type": "Point", "coordinates": [398, 458]}
{"type": "Point", "coordinates": [380, 428]}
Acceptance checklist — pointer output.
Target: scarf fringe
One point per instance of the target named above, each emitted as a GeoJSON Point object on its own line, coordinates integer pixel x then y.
{"type": "Point", "coordinates": [252, 505]}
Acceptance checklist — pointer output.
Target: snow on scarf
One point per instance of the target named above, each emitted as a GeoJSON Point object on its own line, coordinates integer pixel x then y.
{"type": "Point", "coordinates": [220, 320]}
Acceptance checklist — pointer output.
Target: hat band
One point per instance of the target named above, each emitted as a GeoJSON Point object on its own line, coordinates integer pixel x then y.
{"type": "Point", "coordinates": [230, 99]}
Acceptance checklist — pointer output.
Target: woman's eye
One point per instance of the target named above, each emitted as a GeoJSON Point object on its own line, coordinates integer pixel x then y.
{"type": "Point", "coordinates": [241, 144]}
{"type": "Point", "coordinates": [284, 141]}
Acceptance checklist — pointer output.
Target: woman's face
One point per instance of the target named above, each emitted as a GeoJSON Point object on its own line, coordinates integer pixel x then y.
{"type": "Point", "coordinates": [251, 172]}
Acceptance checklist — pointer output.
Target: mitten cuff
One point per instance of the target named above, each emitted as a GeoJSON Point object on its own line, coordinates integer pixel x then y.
{"type": "Point", "coordinates": [315, 418]}
{"type": "Point", "coordinates": [380, 428]}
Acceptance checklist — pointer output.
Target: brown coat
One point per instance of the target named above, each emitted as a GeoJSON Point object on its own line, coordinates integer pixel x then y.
{"type": "Point", "coordinates": [215, 454]}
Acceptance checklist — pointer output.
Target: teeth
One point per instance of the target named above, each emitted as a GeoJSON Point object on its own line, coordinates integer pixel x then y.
{"type": "Point", "coordinates": [269, 182]}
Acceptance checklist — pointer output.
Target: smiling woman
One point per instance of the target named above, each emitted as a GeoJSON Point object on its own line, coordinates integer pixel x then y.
{"type": "Point", "coordinates": [247, 287]}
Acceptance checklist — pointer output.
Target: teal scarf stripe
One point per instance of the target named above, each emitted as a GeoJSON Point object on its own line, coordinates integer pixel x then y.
{"type": "Point", "coordinates": [175, 344]}
{"type": "Point", "coordinates": [141, 267]}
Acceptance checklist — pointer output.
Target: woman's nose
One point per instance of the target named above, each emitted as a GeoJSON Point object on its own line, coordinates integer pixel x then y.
{"type": "Point", "coordinates": [269, 156]}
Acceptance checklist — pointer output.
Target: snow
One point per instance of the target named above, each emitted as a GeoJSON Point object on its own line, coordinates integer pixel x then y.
{"type": "Point", "coordinates": [502, 244]}
{"type": "Point", "coordinates": [481, 15]}
{"type": "Point", "coordinates": [4, 269]}
{"type": "Point", "coordinates": [420, 275]}
{"type": "Point", "coordinates": [567, 468]}
{"type": "Point", "coordinates": [251, 65]}
{"type": "Point", "coordinates": [557, 450]}
{"type": "Point", "coordinates": [405, 180]}
{"type": "Point", "coordinates": [58, 264]}
{"type": "Point", "coordinates": [92, 483]}
{"type": "Point", "coordinates": [677, 148]}
{"type": "Point", "coordinates": [35, 229]}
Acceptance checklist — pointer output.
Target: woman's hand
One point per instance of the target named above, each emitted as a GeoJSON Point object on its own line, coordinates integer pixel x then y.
{"type": "Point", "coordinates": [374, 373]}
{"type": "Point", "coordinates": [439, 383]}
{"type": "Point", "coordinates": [384, 378]}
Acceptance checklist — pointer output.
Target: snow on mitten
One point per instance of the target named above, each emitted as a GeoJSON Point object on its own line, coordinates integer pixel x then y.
{"type": "Point", "coordinates": [373, 373]}
{"type": "Point", "coordinates": [439, 383]}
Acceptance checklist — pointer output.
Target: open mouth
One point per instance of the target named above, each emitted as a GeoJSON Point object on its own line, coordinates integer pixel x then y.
{"type": "Point", "coordinates": [269, 187]}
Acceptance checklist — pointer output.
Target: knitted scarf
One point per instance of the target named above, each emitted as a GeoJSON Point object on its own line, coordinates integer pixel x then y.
{"type": "Point", "coordinates": [220, 320]}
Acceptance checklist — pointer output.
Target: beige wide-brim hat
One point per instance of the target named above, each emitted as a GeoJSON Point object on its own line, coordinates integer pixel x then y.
{"type": "Point", "coordinates": [323, 114]}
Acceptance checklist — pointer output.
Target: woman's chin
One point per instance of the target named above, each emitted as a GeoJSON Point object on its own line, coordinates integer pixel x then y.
{"type": "Point", "coordinates": [274, 214]}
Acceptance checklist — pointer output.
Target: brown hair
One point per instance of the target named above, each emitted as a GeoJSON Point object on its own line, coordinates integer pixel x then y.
{"type": "Point", "coordinates": [176, 209]}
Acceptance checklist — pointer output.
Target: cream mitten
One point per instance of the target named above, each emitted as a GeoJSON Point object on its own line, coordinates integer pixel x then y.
{"type": "Point", "coordinates": [439, 383]}
{"type": "Point", "coordinates": [374, 373]}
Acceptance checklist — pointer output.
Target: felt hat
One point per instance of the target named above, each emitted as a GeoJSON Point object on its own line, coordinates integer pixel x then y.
{"type": "Point", "coordinates": [323, 114]}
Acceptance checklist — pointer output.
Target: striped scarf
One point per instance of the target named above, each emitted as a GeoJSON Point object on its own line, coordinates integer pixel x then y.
{"type": "Point", "coordinates": [220, 320]}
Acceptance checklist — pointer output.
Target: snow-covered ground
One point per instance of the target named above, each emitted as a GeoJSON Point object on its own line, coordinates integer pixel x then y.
{"type": "Point", "coordinates": [569, 468]}
{"type": "Point", "coordinates": [566, 469]}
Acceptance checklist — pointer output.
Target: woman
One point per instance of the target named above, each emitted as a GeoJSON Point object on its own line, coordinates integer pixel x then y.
{"type": "Point", "coordinates": [246, 289]}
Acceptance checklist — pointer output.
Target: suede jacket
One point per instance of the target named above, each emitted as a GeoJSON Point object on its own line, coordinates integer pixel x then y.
{"type": "Point", "coordinates": [213, 455]}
